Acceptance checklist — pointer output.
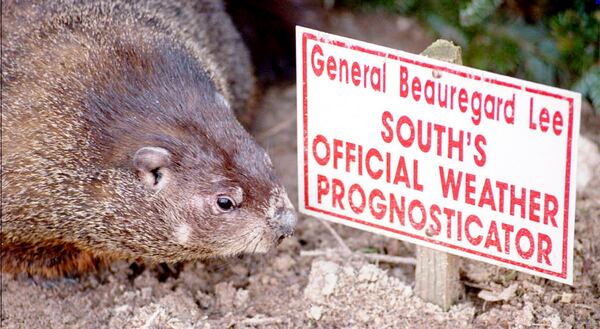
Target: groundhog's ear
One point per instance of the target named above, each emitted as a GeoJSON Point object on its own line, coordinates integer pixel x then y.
{"type": "Point", "coordinates": [152, 164]}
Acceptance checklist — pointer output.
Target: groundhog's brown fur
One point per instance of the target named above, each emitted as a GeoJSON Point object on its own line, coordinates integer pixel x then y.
{"type": "Point", "coordinates": [119, 138]}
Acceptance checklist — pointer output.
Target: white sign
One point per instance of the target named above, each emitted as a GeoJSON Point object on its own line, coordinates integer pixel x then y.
{"type": "Point", "coordinates": [441, 155]}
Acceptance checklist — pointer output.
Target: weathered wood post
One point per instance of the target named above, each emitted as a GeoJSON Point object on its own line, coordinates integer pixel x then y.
{"type": "Point", "coordinates": [437, 277]}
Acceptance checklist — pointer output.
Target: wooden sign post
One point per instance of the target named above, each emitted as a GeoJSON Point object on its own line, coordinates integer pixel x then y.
{"type": "Point", "coordinates": [436, 276]}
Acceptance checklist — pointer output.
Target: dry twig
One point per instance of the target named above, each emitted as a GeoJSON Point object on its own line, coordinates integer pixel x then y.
{"type": "Point", "coordinates": [370, 257]}
{"type": "Point", "coordinates": [260, 321]}
{"type": "Point", "coordinates": [337, 237]}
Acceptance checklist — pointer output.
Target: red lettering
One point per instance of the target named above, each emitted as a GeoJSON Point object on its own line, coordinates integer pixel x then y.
{"type": "Point", "coordinates": [349, 156]}
{"type": "Point", "coordinates": [550, 209]}
{"type": "Point", "coordinates": [377, 209]}
{"type": "Point", "coordinates": [544, 120]}
{"type": "Point", "coordinates": [331, 68]}
{"type": "Point", "coordinates": [440, 130]}
{"type": "Point", "coordinates": [492, 238]}
{"type": "Point", "coordinates": [557, 123]}
{"type": "Point", "coordinates": [416, 88]}
{"type": "Point", "coordinates": [322, 187]}
{"type": "Point", "coordinates": [517, 201]}
{"type": "Point", "coordinates": [534, 205]}
{"type": "Point", "coordinates": [463, 99]}
{"type": "Point", "coordinates": [455, 144]}
{"type": "Point", "coordinates": [355, 74]}
{"type": "Point", "coordinates": [435, 211]}
{"type": "Point", "coordinates": [417, 204]}
{"type": "Point", "coordinates": [406, 142]}
{"type": "Point", "coordinates": [361, 206]}
{"type": "Point", "coordinates": [480, 158]}
{"type": "Point", "coordinates": [403, 81]}
{"type": "Point", "coordinates": [317, 62]}
{"type": "Point", "coordinates": [337, 154]}
{"type": "Point", "coordinates": [524, 233]}
{"type": "Point", "coordinates": [321, 160]}
{"type": "Point", "coordinates": [370, 154]}
{"type": "Point", "coordinates": [502, 188]}
{"type": "Point", "coordinates": [337, 194]}
{"type": "Point", "coordinates": [469, 189]}
{"type": "Point", "coordinates": [388, 134]}
{"type": "Point", "coordinates": [470, 220]}
{"type": "Point", "coordinates": [544, 248]}
{"type": "Point", "coordinates": [450, 182]}
{"type": "Point", "coordinates": [508, 229]}
{"type": "Point", "coordinates": [395, 209]}
{"type": "Point", "coordinates": [402, 173]}
{"type": "Point", "coordinates": [487, 197]}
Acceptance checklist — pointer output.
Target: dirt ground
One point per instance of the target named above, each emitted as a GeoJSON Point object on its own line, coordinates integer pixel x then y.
{"type": "Point", "coordinates": [285, 289]}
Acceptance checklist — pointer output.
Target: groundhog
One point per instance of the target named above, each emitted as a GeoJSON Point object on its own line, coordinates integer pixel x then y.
{"type": "Point", "coordinates": [120, 138]}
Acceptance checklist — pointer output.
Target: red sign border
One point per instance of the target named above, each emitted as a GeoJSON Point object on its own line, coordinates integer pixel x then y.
{"type": "Point", "coordinates": [309, 36]}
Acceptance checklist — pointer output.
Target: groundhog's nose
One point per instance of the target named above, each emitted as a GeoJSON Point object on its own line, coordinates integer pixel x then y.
{"type": "Point", "coordinates": [285, 222]}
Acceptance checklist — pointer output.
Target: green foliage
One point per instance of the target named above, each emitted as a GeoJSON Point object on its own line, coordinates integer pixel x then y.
{"type": "Point", "coordinates": [554, 43]}
{"type": "Point", "coordinates": [477, 11]}
{"type": "Point", "coordinates": [589, 85]}
{"type": "Point", "coordinates": [369, 250]}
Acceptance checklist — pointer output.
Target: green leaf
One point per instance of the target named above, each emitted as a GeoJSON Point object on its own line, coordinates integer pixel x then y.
{"type": "Point", "coordinates": [539, 71]}
{"type": "Point", "coordinates": [589, 86]}
{"type": "Point", "coordinates": [369, 250]}
{"type": "Point", "coordinates": [477, 11]}
{"type": "Point", "coordinates": [446, 30]}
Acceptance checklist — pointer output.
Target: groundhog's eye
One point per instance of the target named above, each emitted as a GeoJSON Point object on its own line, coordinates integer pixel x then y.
{"type": "Point", "coordinates": [225, 203]}
{"type": "Point", "coordinates": [157, 175]}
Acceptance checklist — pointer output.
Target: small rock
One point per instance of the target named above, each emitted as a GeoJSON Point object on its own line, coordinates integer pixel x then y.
{"type": "Point", "coordinates": [204, 300]}
{"type": "Point", "coordinates": [399, 274]}
{"type": "Point", "coordinates": [321, 281]}
{"type": "Point", "coordinates": [225, 293]}
{"type": "Point", "coordinates": [526, 317]}
{"type": "Point", "coordinates": [588, 159]}
{"type": "Point", "coordinates": [146, 279]}
{"type": "Point", "coordinates": [283, 263]}
{"type": "Point", "coordinates": [241, 298]}
{"type": "Point", "coordinates": [504, 295]}
{"type": "Point", "coordinates": [202, 325]}
{"type": "Point", "coordinates": [533, 287]}
{"type": "Point", "coordinates": [240, 270]}
{"type": "Point", "coordinates": [553, 321]}
{"type": "Point", "coordinates": [129, 295]}
{"type": "Point", "coordinates": [477, 272]}
{"type": "Point", "coordinates": [369, 273]}
{"type": "Point", "coordinates": [349, 271]}
{"type": "Point", "coordinates": [180, 306]}
{"type": "Point", "coordinates": [315, 312]}
{"type": "Point", "coordinates": [122, 308]}
{"type": "Point", "coordinates": [265, 280]}
{"type": "Point", "coordinates": [146, 292]}
{"type": "Point", "coordinates": [363, 316]}
{"type": "Point", "coordinates": [93, 282]}
{"type": "Point", "coordinates": [566, 298]}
